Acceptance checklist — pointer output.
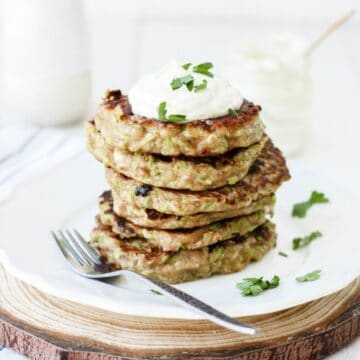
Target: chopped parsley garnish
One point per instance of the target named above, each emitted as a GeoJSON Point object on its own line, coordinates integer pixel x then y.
{"type": "Point", "coordinates": [201, 86]}
{"type": "Point", "coordinates": [233, 113]}
{"type": "Point", "coordinates": [156, 292]}
{"type": "Point", "coordinates": [203, 69]}
{"type": "Point", "coordinates": [186, 66]}
{"type": "Point", "coordinates": [162, 111]}
{"type": "Point", "coordinates": [300, 209]}
{"type": "Point", "coordinates": [283, 254]}
{"type": "Point", "coordinates": [311, 276]}
{"type": "Point", "coordinates": [255, 286]}
{"type": "Point", "coordinates": [176, 118]}
{"type": "Point", "coordinates": [187, 80]}
{"type": "Point", "coordinates": [176, 84]}
{"type": "Point", "coordinates": [171, 118]}
{"type": "Point", "coordinates": [306, 240]}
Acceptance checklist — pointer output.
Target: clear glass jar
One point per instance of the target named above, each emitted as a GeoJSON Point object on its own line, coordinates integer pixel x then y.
{"type": "Point", "coordinates": [274, 73]}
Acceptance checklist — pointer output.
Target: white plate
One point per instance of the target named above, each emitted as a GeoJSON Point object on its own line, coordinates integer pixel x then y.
{"type": "Point", "coordinates": [67, 196]}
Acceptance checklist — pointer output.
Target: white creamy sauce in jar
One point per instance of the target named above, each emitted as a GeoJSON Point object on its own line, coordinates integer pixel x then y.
{"type": "Point", "coordinates": [215, 100]}
{"type": "Point", "coordinates": [273, 71]}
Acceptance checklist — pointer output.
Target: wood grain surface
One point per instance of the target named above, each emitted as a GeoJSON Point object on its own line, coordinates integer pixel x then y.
{"type": "Point", "coordinates": [44, 327]}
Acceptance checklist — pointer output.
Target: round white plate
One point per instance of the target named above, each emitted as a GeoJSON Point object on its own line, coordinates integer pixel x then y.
{"type": "Point", "coordinates": [67, 196]}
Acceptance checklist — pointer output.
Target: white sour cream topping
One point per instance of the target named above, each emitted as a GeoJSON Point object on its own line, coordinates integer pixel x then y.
{"type": "Point", "coordinates": [219, 95]}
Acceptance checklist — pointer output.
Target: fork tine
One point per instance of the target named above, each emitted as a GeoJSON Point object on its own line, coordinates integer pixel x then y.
{"type": "Point", "coordinates": [64, 250]}
{"type": "Point", "coordinates": [75, 244]}
{"type": "Point", "coordinates": [59, 244]}
{"type": "Point", "coordinates": [90, 250]}
{"type": "Point", "coordinates": [72, 250]}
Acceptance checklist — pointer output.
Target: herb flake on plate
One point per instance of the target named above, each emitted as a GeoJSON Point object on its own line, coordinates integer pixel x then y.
{"type": "Point", "coordinates": [300, 209]}
{"type": "Point", "coordinates": [156, 292]}
{"type": "Point", "coordinates": [281, 253]}
{"type": "Point", "coordinates": [301, 242]}
{"type": "Point", "coordinates": [311, 276]}
{"type": "Point", "coordinates": [256, 286]}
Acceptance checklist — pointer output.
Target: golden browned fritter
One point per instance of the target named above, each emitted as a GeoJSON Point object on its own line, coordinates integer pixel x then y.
{"type": "Point", "coordinates": [184, 265]}
{"type": "Point", "coordinates": [120, 127]}
{"type": "Point", "coordinates": [189, 173]}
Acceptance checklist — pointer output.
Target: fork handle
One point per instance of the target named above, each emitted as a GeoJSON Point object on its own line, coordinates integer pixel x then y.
{"type": "Point", "coordinates": [196, 305]}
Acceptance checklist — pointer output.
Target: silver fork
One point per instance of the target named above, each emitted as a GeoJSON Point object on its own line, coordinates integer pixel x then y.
{"type": "Point", "coordinates": [86, 261]}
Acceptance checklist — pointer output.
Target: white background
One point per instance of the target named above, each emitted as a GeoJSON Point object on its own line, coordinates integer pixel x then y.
{"type": "Point", "coordinates": [128, 38]}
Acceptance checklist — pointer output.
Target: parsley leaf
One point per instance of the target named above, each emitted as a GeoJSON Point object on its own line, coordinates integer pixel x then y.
{"type": "Point", "coordinates": [162, 111]}
{"type": "Point", "coordinates": [311, 276]}
{"type": "Point", "coordinates": [283, 254]}
{"type": "Point", "coordinates": [186, 66]}
{"type": "Point", "coordinates": [201, 86]}
{"type": "Point", "coordinates": [300, 209]}
{"type": "Point", "coordinates": [176, 118]}
{"type": "Point", "coordinates": [156, 292]}
{"type": "Point", "coordinates": [171, 118]}
{"type": "Point", "coordinates": [233, 113]}
{"type": "Point", "coordinates": [187, 80]}
{"type": "Point", "coordinates": [176, 84]}
{"type": "Point", "coordinates": [255, 286]}
{"type": "Point", "coordinates": [306, 240]}
{"type": "Point", "coordinates": [204, 69]}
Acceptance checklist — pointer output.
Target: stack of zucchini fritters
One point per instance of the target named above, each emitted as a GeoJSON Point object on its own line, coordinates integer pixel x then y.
{"type": "Point", "coordinates": [187, 200]}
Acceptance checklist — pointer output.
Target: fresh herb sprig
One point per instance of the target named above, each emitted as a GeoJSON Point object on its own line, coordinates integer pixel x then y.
{"type": "Point", "coordinates": [203, 69]}
{"type": "Point", "coordinates": [162, 111]}
{"type": "Point", "coordinates": [300, 210]}
{"type": "Point", "coordinates": [176, 118]}
{"type": "Point", "coordinates": [233, 113]}
{"type": "Point", "coordinates": [301, 242]}
{"type": "Point", "coordinates": [201, 86]}
{"type": "Point", "coordinates": [186, 66]}
{"type": "Point", "coordinates": [311, 276]}
{"type": "Point", "coordinates": [256, 286]}
{"type": "Point", "coordinates": [187, 81]}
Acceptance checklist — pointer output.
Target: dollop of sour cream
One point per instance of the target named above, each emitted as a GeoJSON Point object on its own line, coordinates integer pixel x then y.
{"type": "Point", "coordinates": [213, 101]}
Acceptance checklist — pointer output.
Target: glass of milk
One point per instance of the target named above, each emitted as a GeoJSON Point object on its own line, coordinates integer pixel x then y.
{"type": "Point", "coordinates": [45, 74]}
{"type": "Point", "coordinates": [272, 71]}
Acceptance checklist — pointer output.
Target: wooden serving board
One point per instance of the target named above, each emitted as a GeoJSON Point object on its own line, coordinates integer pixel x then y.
{"type": "Point", "coordinates": [44, 327]}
